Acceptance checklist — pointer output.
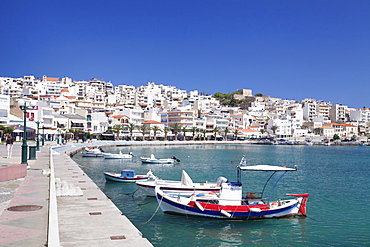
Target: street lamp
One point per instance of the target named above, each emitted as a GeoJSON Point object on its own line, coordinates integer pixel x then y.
{"type": "Point", "coordinates": [43, 134]}
{"type": "Point", "coordinates": [37, 136]}
{"type": "Point", "coordinates": [23, 105]}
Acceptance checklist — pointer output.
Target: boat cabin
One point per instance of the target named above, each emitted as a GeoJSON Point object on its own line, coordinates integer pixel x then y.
{"type": "Point", "coordinates": [128, 174]}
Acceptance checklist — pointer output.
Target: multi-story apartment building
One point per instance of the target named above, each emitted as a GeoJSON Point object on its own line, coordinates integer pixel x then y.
{"type": "Point", "coordinates": [337, 113]}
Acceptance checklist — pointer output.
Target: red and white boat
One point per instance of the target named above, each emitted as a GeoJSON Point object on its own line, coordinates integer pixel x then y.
{"type": "Point", "coordinates": [230, 204]}
{"type": "Point", "coordinates": [128, 176]}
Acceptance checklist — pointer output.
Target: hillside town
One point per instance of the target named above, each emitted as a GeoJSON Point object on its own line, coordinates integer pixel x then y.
{"type": "Point", "coordinates": [63, 108]}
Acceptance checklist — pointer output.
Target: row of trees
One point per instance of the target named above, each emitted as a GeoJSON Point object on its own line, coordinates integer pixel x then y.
{"type": "Point", "coordinates": [175, 128]}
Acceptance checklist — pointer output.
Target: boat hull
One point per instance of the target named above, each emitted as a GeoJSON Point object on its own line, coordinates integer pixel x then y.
{"type": "Point", "coordinates": [291, 207]}
{"type": "Point", "coordinates": [117, 178]}
{"type": "Point", "coordinates": [117, 156]}
{"type": "Point", "coordinates": [85, 154]}
{"type": "Point", "coordinates": [157, 161]}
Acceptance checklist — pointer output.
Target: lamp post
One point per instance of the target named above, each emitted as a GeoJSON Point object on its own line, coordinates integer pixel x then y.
{"type": "Point", "coordinates": [37, 136]}
{"type": "Point", "coordinates": [43, 135]}
{"type": "Point", "coordinates": [23, 105]}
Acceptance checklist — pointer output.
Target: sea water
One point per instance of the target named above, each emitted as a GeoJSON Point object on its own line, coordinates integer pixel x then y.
{"type": "Point", "coordinates": [337, 177]}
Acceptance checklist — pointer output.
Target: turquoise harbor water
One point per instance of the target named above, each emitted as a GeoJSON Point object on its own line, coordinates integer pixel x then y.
{"type": "Point", "coordinates": [336, 177]}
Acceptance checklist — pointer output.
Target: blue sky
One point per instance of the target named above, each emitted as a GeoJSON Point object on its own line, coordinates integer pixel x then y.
{"type": "Point", "coordinates": [293, 49]}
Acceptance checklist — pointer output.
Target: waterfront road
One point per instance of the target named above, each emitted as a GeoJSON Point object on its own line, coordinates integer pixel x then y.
{"type": "Point", "coordinates": [56, 204]}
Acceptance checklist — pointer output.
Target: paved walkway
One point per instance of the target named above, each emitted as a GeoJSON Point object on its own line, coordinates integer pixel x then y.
{"type": "Point", "coordinates": [79, 214]}
{"type": "Point", "coordinates": [28, 226]}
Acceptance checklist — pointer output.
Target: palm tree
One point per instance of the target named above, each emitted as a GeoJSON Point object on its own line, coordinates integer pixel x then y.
{"type": "Point", "coordinates": [226, 130]}
{"type": "Point", "coordinates": [193, 130]}
{"type": "Point", "coordinates": [216, 130]}
{"type": "Point", "coordinates": [165, 131]}
{"type": "Point", "coordinates": [117, 128]}
{"type": "Point", "coordinates": [204, 131]}
{"type": "Point", "coordinates": [155, 130]}
{"type": "Point", "coordinates": [131, 127]}
{"type": "Point", "coordinates": [262, 131]}
{"type": "Point", "coordinates": [274, 128]}
{"type": "Point", "coordinates": [236, 132]}
{"type": "Point", "coordinates": [143, 128]}
{"type": "Point", "coordinates": [184, 129]}
{"type": "Point", "coordinates": [176, 127]}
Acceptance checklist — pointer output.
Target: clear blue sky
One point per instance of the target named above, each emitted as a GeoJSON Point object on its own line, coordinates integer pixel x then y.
{"type": "Point", "coordinates": [293, 49]}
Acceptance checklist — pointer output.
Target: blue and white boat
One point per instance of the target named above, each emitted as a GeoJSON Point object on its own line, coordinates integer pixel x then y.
{"type": "Point", "coordinates": [128, 176]}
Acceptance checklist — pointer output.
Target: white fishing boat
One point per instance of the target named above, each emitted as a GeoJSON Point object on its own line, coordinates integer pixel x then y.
{"type": "Point", "coordinates": [185, 186]}
{"type": "Point", "coordinates": [92, 152]}
{"type": "Point", "coordinates": [230, 203]}
{"type": "Point", "coordinates": [153, 160]}
{"type": "Point", "coordinates": [120, 155]}
{"type": "Point", "coordinates": [128, 176]}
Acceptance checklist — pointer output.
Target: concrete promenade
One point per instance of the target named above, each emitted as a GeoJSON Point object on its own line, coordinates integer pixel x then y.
{"type": "Point", "coordinates": [56, 204]}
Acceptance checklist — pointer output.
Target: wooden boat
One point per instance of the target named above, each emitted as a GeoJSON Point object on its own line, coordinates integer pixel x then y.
{"type": "Point", "coordinates": [120, 155]}
{"type": "Point", "coordinates": [185, 187]}
{"type": "Point", "coordinates": [153, 160]}
{"type": "Point", "coordinates": [229, 203]}
{"type": "Point", "coordinates": [128, 176]}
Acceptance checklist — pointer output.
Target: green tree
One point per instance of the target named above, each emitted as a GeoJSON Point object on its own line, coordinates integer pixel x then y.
{"type": "Point", "coordinates": [262, 131]}
{"type": "Point", "coordinates": [215, 131]}
{"type": "Point", "coordinates": [226, 131]}
{"type": "Point", "coordinates": [318, 131]}
{"type": "Point", "coordinates": [184, 130]}
{"type": "Point", "coordinates": [193, 130]}
{"type": "Point", "coordinates": [117, 129]}
{"type": "Point", "coordinates": [155, 130]}
{"type": "Point", "coordinates": [131, 127]}
{"type": "Point", "coordinates": [165, 131]}
{"type": "Point", "coordinates": [274, 128]}
{"type": "Point", "coordinates": [143, 128]}
{"type": "Point", "coordinates": [175, 127]}
{"type": "Point", "coordinates": [236, 132]}
{"type": "Point", "coordinates": [204, 131]}
{"type": "Point", "coordinates": [336, 137]}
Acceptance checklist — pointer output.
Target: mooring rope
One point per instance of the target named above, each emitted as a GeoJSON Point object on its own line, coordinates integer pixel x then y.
{"type": "Point", "coordinates": [159, 204]}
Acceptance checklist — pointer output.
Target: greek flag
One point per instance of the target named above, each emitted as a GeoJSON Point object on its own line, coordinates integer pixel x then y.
{"type": "Point", "coordinates": [243, 162]}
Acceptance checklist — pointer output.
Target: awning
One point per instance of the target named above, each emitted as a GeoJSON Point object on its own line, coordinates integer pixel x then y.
{"type": "Point", "coordinates": [266, 168]}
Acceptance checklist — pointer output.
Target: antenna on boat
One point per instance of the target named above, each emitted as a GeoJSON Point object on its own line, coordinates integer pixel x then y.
{"type": "Point", "coordinates": [243, 162]}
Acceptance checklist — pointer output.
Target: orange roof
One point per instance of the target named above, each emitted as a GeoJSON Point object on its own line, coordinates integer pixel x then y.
{"type": "Point", "coordinates": [119, 116]}
{"type": "Point", "coordinates": [64, 90]}
{"type": "Point", "coordinates": [348, 125]}
{"type": "Point", "coordinates": [151, 122]}
{"type": "Point", "coordinates": [52, 79]}
{"type": "Point", "coordinates": [236, 115]}
{"type": "Point", "coordinates": [333, 124]}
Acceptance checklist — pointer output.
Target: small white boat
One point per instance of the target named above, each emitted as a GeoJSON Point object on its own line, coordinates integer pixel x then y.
{"type": "Point", "coordinates": [153, 160]}
{"type": "Point", "coordinates": [128, 176]}
{"type": "Point", "coordinates": [185, 186]}
{"type": "Point", "coordinates": [230, 203]}
{"type": "Point", "coordinates": [92, 152]}
{"type": "Point", "coordinates": [120, 155]}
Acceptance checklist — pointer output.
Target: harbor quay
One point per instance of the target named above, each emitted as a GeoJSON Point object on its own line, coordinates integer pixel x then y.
{"type": "Point", "coordinates": [53, 202]}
